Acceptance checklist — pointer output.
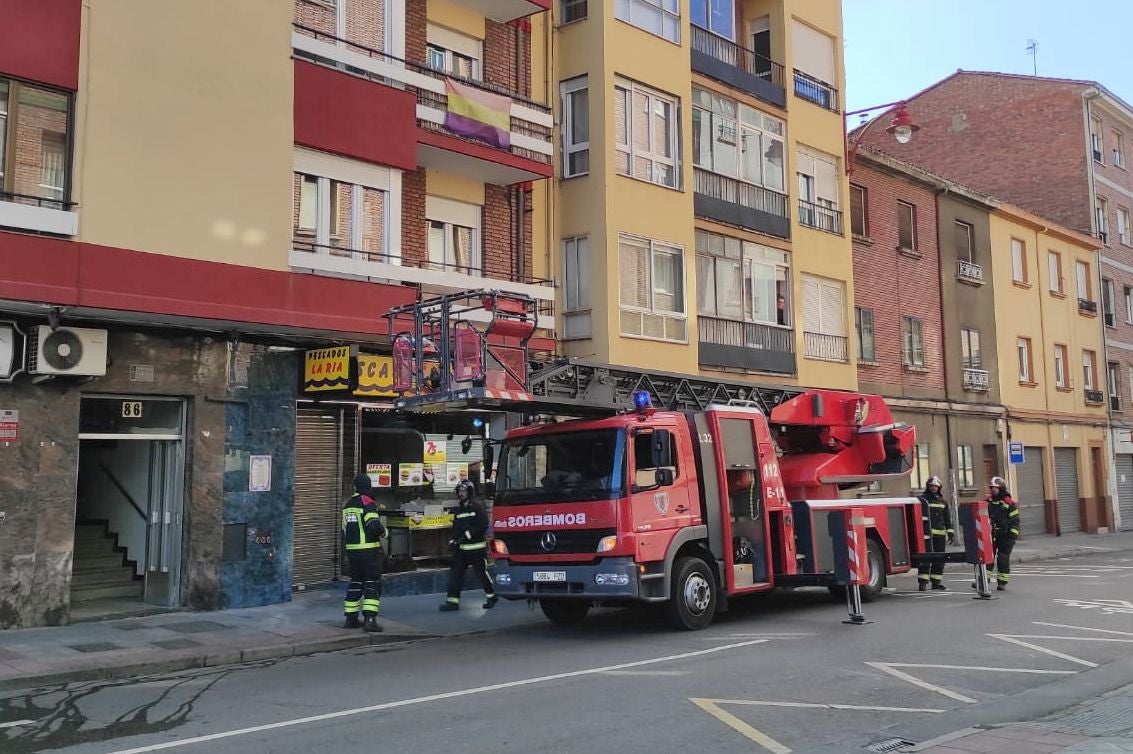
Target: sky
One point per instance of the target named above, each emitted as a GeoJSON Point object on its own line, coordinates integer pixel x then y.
{"type": "Point", "coordinates": [895, 48]}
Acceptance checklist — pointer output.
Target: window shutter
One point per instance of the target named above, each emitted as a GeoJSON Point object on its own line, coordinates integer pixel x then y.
{"type": "Point", "coordinates": [831, 310]}
{"type": "Point", "coordinates": [813, 52]}
{"type": "Point", "coordinates": [826, 179]}
{"type": "Point", "coordinates": [812, 306]}
{"type": "Point", "coordinates": [634, 264]}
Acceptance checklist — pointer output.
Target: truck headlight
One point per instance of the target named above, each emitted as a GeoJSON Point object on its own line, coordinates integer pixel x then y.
{"type": "Point", "coordinates": [605, 544]}
{"type": "Point", "coordinates": [503, 578]}
{"type": "Point", "coordinates": [611, 579]}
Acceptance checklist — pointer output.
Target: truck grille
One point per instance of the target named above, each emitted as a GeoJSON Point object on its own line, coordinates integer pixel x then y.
{"type": "Point", "coordinates": [566, 541]}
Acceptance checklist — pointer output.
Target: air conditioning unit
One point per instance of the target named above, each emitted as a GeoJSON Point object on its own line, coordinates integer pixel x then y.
{"type": "Point", "coordinates": [67, 350]}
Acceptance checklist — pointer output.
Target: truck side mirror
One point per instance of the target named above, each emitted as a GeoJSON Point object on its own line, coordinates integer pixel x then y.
{"type": "Point", "coordinates": [662, 448]}
{"type": "Point", "coordinates": [489, 458]}
{"type": "Point", "coordinates": [664, 476]}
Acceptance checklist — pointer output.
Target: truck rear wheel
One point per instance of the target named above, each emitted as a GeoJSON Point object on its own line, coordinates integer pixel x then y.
{"type": "Point", "coordinates": [565, 612]}
{"type": "Point", "coordinates": [692, 597]}
{"type": "Point", "coordinates": [873, 588]}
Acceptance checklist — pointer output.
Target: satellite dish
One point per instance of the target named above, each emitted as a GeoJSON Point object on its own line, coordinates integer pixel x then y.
{"type": "Point", "coordinates": [62, 349]}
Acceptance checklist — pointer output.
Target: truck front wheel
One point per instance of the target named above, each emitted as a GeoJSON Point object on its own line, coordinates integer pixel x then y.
{"type": "Point", "coordinates": [565, 612]}
{"type": "Point", "coordinates": [692, 598]}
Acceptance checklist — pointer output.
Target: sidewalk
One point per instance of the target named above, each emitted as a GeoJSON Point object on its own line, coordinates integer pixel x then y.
{"type": "Point", "coordinates": [310, 623]}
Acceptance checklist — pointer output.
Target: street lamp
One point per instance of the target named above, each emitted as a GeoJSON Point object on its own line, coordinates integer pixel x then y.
{"type": "Point", "coordinates": [901, 128]}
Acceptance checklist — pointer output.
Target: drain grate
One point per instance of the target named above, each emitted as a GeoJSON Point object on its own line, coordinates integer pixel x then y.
{"type": "Point", "coordinates": [892, 744]}
{"type": "Point", "coordinates": [94, 646]}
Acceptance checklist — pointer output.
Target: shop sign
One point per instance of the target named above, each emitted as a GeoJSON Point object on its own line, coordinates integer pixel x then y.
{"type": "Point", "coordinates": [410, 474]}
{"type": "Point", "coordinates": [259, 474]}
{"type": "Point", "coordinates": [326, 369]}
{"type": "Point", "coordinates": [9, 425]}
{"type": "Point", "coordinates": [375, 376]}
{"type": "Point", "coordinates": [436, 450]}
{"type": "Point", "coordinates": [457, 472]}
{"type": "Point", "coordinates": [381, 474]}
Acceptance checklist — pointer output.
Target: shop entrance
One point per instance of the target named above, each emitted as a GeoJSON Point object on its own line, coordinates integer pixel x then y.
{"type": "Point", "coordinates": [129, 505]}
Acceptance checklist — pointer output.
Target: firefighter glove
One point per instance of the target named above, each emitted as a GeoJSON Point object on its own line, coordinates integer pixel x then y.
{"type": "Point", "coordinates": [951, 538]}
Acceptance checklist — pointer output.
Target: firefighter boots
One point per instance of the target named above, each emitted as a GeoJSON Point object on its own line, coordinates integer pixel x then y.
{"type": "Point", "coordinates": [491, 602]}
{"type": "Point", "coordinates": [941, 587]}
{"type": "Point", "coordinates": [449, 607]}
{"type": "Point", "coordinates": [351, 621]}
{"type": "Point", "coordinates": [371, 625]}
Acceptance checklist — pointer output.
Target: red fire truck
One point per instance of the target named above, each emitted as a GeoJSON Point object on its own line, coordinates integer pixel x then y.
{"type": "Point", "coordinates": [659, 488]}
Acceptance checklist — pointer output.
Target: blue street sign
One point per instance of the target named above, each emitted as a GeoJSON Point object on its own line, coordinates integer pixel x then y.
{"type": "Point", "coordinates": [1015, 452]}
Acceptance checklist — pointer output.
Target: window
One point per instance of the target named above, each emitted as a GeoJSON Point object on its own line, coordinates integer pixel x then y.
{"type": "Point", "coordinates": [738, 141]}
{"type": "Point", "coordinates": [965, 246]}
{"type": "Point", "coordinates": [717, 16]}
{"type": "Point", "coordinates": [971, 353]}
{"type": "Point", "coordinates": [1096, 138]}
{"type": "Point", "coordinates": [1118, 149]}
{"type": "Point", "coordinates": [1113, 384]}
{"type": "Point", "coordinates": [453, 53]}
{"type": "Point", "coordinates": [813, 57]}
{"type": "Point", "coordinates": [1129, 305]}
{"type": "Point", "coordinates": [1018, 261]}
{"type": "Point", "coordinates": [824, 319]}
{"type": "Point", "coordinates": [306, 217]}
{"type": "Point", "coordinates": [863, 324]}
{"type": "Point", "coordinates": [453, 235]}
{"type": "Point", "coordinates": [1082, 272]}
{"type": "Point", "coordinates": [34, 141]}
{"type": "Point", "coordinates": [659, 17]}
{"type": "Point", "coordinates": [576, 288]}
{"type": "Point", "coordinates": [647, 141]}
{"type": "Point", "coordinates": [965, 467]}
{"type": "Point", "coordinates": [1054, 270]}
{"type": "Point", "coordinates": [1023, 350]}
{"type": "Point", "coordinates": [1102, 211]}
{"type": "Point", "coordinates": [1089, 370]}
{"type": "Point", "coordinates": [818, 190]}
{"type": "Point", "coordinates": [1061, 379]}
{"type": "Point", "coordinates": [859, 211]}
{"type": "Point", "coordinates": [922, 468]}
{"type": "Point", "coordinates": [912, 341]}
{"type": "Point", "coordinates": [344, 208]}
{"type": "Point", "coordinates": [652, 289]}
{"type": "Point", "coordinates": [759, 31]}
{"type": "Point", "coordinates": [742, 281]}
{"type": "Point", "coordinates": [1109, 312]}
{"type": "Point", "coordinates": [571, 11]}
{"type": "Point", "coordinates": [906, 226]}
{"type": "Point", "coordinates": [576, 127]}
{"type": "Point", "coordinates": [1123, 231]}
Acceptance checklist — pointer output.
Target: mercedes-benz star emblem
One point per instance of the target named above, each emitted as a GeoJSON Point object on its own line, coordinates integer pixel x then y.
{"type": "Point", "coordinates": [548, 541]}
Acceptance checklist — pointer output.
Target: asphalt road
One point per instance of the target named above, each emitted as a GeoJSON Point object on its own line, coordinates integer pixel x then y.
{"type": "Point", "coordinates": [779, 673]}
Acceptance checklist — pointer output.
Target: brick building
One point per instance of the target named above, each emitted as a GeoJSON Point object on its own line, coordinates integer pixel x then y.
{"type": "Point", "coordinates": [1058, 148]}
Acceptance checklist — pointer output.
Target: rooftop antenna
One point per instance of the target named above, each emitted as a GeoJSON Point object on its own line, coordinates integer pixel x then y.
{"type": "Point", "coordinates": [1033, 51]}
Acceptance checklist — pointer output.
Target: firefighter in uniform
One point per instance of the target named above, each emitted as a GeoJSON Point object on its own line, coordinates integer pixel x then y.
{"type": "Point", "coordinates": [938, 533]}
{"type": "Point", "coordinates": [362, 533]}
{"type": "Point", "coordinates": [1004, 515]}
{"type": "Point", "coordinates": [469, 547]}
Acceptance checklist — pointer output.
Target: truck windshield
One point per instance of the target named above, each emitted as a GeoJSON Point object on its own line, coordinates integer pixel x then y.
{"type": "Point", "coordinates": [562, 467]}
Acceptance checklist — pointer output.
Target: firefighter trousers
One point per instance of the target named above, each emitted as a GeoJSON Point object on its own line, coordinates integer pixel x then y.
{"type": "Point", "coordinates": [934, 571]}
{"type": "Point", "coordinates": [461, 561]}
{"type": "Point", "coordinates": [1003, 543]}
{"type": "Point", "coordinates": [365, 591]}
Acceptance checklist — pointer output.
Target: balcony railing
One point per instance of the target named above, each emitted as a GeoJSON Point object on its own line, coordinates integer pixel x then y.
{"type": "Point", "coordinates": [816, 91]}
{"type": "Point", "coordinates": [977, 380]}
{"type": "Point", "coordinates": [1086, 306]}
{"type": "Point", "coordinates": [761, 72]}
{"type": "Point", "coordinates": [1094, 396]}
{"type": "Point", "coordinates": [727, 332]}
{"type": "Point", "coordinates": [428, 85]}
{"type": "Point", "coordinates": [969, 271]}
{"type": "Point", "coordinates": [744, 204]}
{"type": "Point", "coordinates": [35, 201]}
{"type": "Point", "coordinates": [820, 217]}
{"type": "Point", "coordinates": [825, 347]}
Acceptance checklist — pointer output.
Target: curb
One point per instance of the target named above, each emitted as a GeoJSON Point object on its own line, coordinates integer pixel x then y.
{"type": "Point", "coordinates": [1068, 553]}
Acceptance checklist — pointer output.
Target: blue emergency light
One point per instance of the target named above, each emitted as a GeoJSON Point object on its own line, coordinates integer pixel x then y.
{"type": "Point", "coordinates": [477, 422]}
{"type": "Point", "coordinates": [642, 400]}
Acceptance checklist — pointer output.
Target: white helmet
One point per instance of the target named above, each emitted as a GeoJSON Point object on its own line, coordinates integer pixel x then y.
{"type": "Point", "coordinates": [998, 481]}
{"type": "Point", "coordinates": [934, 481]}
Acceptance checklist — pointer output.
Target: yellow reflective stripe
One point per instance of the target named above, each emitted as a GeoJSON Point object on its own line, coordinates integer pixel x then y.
{"type": "Point", "coordinates": [1015, 532]}
{"type": "Point", "coordinates": [465, 515]}
{"type": "Point", "coordinates": [937, 505]}
{"type": "Point", "coordinates": [1014, 513]}
{"type": "Point", "coordinates": [474, 546]}
{"type": "Point", "coordinates": [939, 531]}
{"type": "Point", "coordinates": [364, 546]}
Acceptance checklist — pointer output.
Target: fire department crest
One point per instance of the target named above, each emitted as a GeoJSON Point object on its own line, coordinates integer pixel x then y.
{"type": "Point", "coordinates": [661, 502]}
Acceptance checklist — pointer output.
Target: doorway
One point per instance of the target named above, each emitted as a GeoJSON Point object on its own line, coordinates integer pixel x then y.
{"type": "Point", "coordinates": [129, 506]}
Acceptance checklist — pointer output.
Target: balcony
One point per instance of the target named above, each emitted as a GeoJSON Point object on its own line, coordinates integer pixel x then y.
{"type": "Point", "coordinates": [976, 380]}
{"type": "Point", "coordinates": [1094, 397]}
{"type": "Point", "coordinates": [825, 347]}
{"type": "Point", "coordinates": [1114, 403]}
{"type": "Point", "coordinates": [433, 277]}
{"type": "Point", "coordinates": [969, 272]}
{"type": "Point", "coordinates": [444, 141]}
{"type": "Point", "coordinates": [1086, 306]}
{"type": "Point", "coordinates": [745, 205]}
{"type": "Point", "coordinates": [746, 345]}
{"type": "Point", "coordinates": [39, 214]}
{"type": "Point", "coordinates": [818, 92]}
{"type": "Point", "coordinates": [820, 217]}
{"type": "Point", "coordinates": [737, 66]}
{"type": "Point", "coordinates": [505, 10]}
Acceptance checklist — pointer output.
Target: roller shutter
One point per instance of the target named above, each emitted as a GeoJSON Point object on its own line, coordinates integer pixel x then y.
{"type": "Point", "coordinates": [1124, 462]}
{"type": "Point", "coordinates": [318, 475]}
{"type": "Point", "coordinates": [1031, 493]}
{"type": "Point", "coordinates": [1066, 484]}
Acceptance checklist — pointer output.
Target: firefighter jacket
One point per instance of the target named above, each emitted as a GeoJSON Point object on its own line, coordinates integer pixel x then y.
{"type": "Point", "coordinates": [1004, 515]}
{"type": "Point", "coordinates": [469, 525]}
{"type": "Point", "coordinates": [362, 527]}
{"type": "Point", "coordinates": [939, 516]}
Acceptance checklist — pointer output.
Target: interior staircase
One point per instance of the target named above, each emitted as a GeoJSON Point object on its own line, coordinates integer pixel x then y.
{"type": "Point", "coordinates": [100, 570]}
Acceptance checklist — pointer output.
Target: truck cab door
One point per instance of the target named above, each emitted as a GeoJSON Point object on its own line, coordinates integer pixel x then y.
{"type": "Point", "coordinates": [744, 501]}
{"type": "Point", "coordinates": [659, 492]}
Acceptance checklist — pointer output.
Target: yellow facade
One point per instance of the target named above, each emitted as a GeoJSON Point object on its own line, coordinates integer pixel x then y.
{"type": "Point", "coordinates": [604, 205]}
{"type": "Point", "coordinates": [1042, 385]}
{"type": "Point", "coordinates": [194, 149]}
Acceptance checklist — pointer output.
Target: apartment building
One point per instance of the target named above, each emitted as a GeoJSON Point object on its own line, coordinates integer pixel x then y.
{"type": "Point", "coordinates": [1046, 307]}
{"type": "Point", "coordinates": [1058, 148]}
{"type": "Point", "coordinates": [198, 244]}
{"type": "Point", "coordinates": [701, 190]}
{"type": "Point", "coordinates": [924, 319]}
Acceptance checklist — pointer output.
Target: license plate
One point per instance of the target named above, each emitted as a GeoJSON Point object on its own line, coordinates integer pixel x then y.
{"type": "Point", "coordinates": [550, 575]}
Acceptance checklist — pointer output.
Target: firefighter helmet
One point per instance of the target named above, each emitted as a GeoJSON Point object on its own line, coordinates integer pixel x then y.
{"type": "Point", "coordinates": [934, 481]}
{"type": "Point", "coordinates": [467, 487]}
{"type": "Point", "coordinates": [997, 481]}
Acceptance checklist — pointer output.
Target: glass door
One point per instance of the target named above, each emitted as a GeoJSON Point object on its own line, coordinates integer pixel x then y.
{"type": "Point", "coordinates": [163, 535]}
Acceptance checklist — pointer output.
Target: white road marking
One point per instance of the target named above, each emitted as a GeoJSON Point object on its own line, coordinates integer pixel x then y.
{"type": "Point", "coordinates": [432, 698]}
{"type": "Point", "coordinates": [1082, 628]}
{"type": "Point", "coordinates": [902, 675]}
{"type": "Point", "coordinates": [756, 636]}
{"type": "Point", "coordinates": [819, 705]}
{"type": "Point", "coordinates": [1044, 650]}
{"type": "Point", "coordinates": [892, 669]}
{"type": "Point", "coordinates": [1070, 638]}
{"type": "Point", "coordinates": [15, 723]}
{"type": "Point", "coordinates": [646, 672]}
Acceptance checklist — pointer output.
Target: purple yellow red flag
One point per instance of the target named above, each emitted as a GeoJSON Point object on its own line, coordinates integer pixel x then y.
{"type": "Point", "coordinates": [477, 114]}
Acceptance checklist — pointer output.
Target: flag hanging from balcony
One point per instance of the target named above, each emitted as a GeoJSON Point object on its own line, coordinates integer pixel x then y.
{"type": "Point", "coordinates": [476, 114]}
